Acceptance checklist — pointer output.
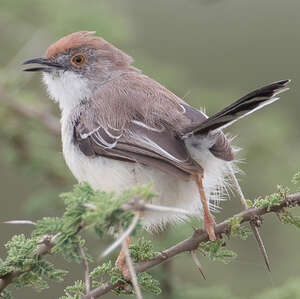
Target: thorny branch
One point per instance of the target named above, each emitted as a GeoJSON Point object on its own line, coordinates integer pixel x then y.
{"type": "Point", "coordinates": [188, 245]}
{"type": "Point", "coordinates": [199, 236]}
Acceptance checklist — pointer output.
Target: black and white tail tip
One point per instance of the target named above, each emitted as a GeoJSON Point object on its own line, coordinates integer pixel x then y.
{"type": "Point", "coordinates": [246, 105]}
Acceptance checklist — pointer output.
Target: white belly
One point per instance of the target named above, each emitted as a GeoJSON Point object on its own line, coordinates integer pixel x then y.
{"type": "Point", "coordinates": [112, 175]}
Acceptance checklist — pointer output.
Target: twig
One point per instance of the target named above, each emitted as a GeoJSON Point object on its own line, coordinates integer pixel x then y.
{"type": "Point", "coordinates": [197, 263]}
{"type": "Point", "coordinates": [131, 269]}
{"type": "Point", "coordinates": [86, 270]}
{"type": "Point", "coordinates": [159, 208]}
{"type": "Point", "coordinates": [126, 233]}
{"type": "Point", "coordinates": [193, 242]}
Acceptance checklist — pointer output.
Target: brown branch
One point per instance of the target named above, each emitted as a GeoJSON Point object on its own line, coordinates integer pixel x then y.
{"type": "Point", "coordinates": [199, 236]}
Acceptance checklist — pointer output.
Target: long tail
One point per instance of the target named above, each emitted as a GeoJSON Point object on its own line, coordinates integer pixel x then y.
{"type": "Point", "coordinates": [240, 108]}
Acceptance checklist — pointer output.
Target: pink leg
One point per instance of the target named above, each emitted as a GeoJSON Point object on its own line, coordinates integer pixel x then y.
{"type": "Point", "coordinates": [209, 222]}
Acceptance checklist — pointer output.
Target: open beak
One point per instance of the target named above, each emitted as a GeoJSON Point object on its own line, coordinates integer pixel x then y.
{"type": "Point", "coordinates": [46, 65]}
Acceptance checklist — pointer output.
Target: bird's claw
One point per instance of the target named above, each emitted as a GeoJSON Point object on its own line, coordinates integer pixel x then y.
{"type": "Point", "coordinates": [209, 225]}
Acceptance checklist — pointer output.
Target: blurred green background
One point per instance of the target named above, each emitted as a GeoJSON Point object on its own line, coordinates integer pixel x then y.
{"type": "Point", "coordinates": [210, 52]}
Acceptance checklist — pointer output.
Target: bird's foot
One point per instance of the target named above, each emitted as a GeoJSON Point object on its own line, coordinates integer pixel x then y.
{"type": "Point", "coordinates": [209, 225]}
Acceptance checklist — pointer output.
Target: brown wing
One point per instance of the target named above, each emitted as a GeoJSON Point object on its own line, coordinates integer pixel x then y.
{"type": "Point", "coordinates": [139, 143]}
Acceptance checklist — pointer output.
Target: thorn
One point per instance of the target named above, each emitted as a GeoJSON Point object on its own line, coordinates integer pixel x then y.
{"type": "Point", "coordinates": [261, 245]}
{"type": "Point", "coordinates": [86, 270]}
{"type": "Point", "coordinates": [253, 226]}
{"type": "Point", "coordinates": [124, 235]}
{"type": "Point", "coordinates": [90, 206]}
{"type": "Point", "coordinates": [46, 240]}
{"type": "Point", "coordinates": [160, 208]}
{"type": "Point", "coordinates": [55, 236]}
{"type": "Point", "coordinates": [133, 276]}
{"type": "Point", "coordinates": [197, 263]}
{"type": "Point", "coordinates": [19, 222]}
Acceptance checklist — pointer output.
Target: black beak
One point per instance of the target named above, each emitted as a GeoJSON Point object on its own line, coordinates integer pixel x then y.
{"type": "Point", "coordinates": [47, 65]}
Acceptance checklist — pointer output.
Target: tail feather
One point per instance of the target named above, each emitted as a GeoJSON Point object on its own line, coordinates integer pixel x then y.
{"type": "Point", "coordinates": [240, 108]}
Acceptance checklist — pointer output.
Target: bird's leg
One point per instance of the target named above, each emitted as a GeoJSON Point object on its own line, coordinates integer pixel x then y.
{"type": "Point", "coordinates": [121, 262]}
{"type": "Point", "coordinates": [209, 222]}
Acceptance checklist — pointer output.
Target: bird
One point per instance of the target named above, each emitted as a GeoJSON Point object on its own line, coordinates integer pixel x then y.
{"type": "Point", "coordinates": [121, 128]}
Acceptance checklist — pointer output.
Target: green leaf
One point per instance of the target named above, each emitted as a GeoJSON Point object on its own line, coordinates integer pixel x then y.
{"type": "Point", "coordinates": [47, 226]}
{"type": "Point", "coordinates": [75, 291]}
{"type": "Point", "coordinates": [216, 251]}
{"type": "Point", "coordinates": [148, 283]}
{"type": "Point", "coordinates": [142, 250]}
{"type": "Point", "coordinates": [22, 257]}
{"type": "Point", "coordinates": [238, 230]}
{"type": "Point", "coordinates": [106, 271]}
{"type": "Point", "coordinates": [268, 202]}
{"type": "Point", "coordinates": [249, 203]}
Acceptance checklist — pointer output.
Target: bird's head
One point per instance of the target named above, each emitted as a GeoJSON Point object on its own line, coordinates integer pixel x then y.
{"type": "Point", "coordinates": [77, 64]}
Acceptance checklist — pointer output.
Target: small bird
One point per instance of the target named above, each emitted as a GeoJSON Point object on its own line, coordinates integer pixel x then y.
{"type": "Point", "coordinates": [121, 128]}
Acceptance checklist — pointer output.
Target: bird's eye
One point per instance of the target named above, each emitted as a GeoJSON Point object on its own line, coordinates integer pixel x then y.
{"type": "Point", "coordinates": [78, 59]}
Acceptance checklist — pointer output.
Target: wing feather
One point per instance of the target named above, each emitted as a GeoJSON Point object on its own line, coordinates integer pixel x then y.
{"type": "Point", "coordinates": [155, 147]}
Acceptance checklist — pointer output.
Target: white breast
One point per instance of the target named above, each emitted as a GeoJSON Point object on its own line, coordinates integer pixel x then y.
{"type": "Point", "coordinates": [66, 88]}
